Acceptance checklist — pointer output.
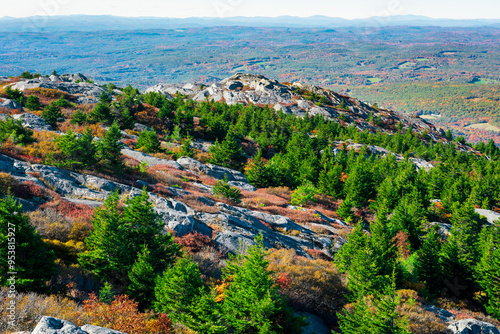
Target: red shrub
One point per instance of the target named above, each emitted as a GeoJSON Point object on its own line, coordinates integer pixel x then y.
{"type": "Point", "coordinates": [70, 209]}
{"type": "Point", "coordinates": [194, 242]}
{"type": "Point", "coordinates": [317, 254]}
{"type": "Point", "coordinates": [30, 190]}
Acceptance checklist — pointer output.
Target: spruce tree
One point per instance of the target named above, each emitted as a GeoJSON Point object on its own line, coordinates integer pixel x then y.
{"type": "Point", "coordinates": [252, 302]}
{"type": "Point", "coordinates": [257, 173]}
{"type": "Point", "coordinates": [228, 153]}
{"type": "Point", "coordinates": [488, 269]}
{"type": "Point", "coordinates": [148, 141]}
{"type": "Point", "coordinates": [177, 289]}
{"type": "Point", "coordinates": [33, 103]}
{"type": "Point", "coordinates": [428, 265]}
{"type": "Point", "coordinates": [109, 149]}
{"type": "Point", "coordinates": [106, 254]}
{"type": "Point", "coordinates": [142, 279]}
{"type": "Point", "coordinates": [22, 250]}
{"type": "Point", "coordinates": [51, 114]}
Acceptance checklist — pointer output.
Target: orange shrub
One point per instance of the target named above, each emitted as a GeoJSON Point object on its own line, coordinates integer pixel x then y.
{"type": "Point", "coordinates": [123, 315]}
{"type": "Point", "coordinates": [47, 92]}
{"type": "Point", "coordinates": [312, 285]}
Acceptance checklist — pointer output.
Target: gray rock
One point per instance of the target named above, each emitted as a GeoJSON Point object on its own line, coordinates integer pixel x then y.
{"type": "Point", "coordinates": [316, 324]}
{"type": "Point", "coordinates": [33, 121]}
{"type": "Point", "coordinates": [141, 127]}
{"type": "Point", "coordinates": [472, 326]}
{"type": "Point", "coordinates": [233, 242]}
{"type": "Point", "coordinates": [4, 117]}
{"type": "Point", "coordinates": [492, 216]}
{"type": "Point", "coordinates": [50, 325]}
{"type": "Point", "coordinates": [9, 104]}
{"type": "Point", "coordinates": [442, 314]}
{"type": "Point", "coordinates": [183, 224]}
{"type": "Point", "coordinates": [217, 172]}
{"type": "Point", "coordinates": [91, 329]}
{"type": "Point", "coordinates": [242, 185]}
{"type": "Point", "coordinates": [444, 229]}
{"type": "Point", "coordinates": [151, 161]}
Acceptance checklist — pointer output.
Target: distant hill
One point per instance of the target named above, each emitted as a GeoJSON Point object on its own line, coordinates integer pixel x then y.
{"type": "Point", "coordinates": [108, 22]}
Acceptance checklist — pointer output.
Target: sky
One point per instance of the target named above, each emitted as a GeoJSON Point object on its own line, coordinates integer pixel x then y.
{"type": "Point", "coordinates": [350, 9]}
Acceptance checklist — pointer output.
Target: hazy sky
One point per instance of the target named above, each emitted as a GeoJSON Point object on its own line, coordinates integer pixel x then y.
{"type": "Point", "coordinates": [220, 8]}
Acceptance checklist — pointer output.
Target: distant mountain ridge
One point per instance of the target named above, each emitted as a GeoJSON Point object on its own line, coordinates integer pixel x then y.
{"type": "Point", "coordinates": [109, 22]}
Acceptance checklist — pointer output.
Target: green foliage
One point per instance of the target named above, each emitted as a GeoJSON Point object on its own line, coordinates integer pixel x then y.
{"type": "Point", "coordinates": [62, 102]}
{"type": "Point", "coordinates": [15, 94]}
{"type": "Point", "coordinates": [488, 269]}
{"type": "Point", "coordinates": [109, 149]}
{"type": "Point", "coordinates": [76, 152]}
{"type": "Point", "coordinates": [51, 114]}
{"type": "Point", "coordinates": [106, 294]}
{"type": "Point", "coordinates": [22, 250]}
{"type": "Point", "coordinates": [222, 188]}
{"type": "Point", "coordinates": [33, 103]}
{"type": "Point", "coordinates": [29, 75]}
{"type": "Point", "coordinates": [186, 149]}
{"type": "Point", "coordinates": [345, 210]}
{"type": "Point", "coordinates": [148, 141]}
{"type": "Point", "coordinates": [428, 266]}
{"type": "Point", "coordinates": [177, 289]}
{"type": "Point", "coordinates": [120, 237]}
{"type": "Point", "coordinates": [228, 153]}
{"type": "Point", "coordinates": [252, 303]}
{"type": "Point", "coordinates": [15, 131]}
{"type": "Point", "coordinates": [304, 194]}
{"type": "Point", "coordinates": [375, 314]}
{"type": "Point", "coordinates": [142, 279]}
{"type": "Point", "coordinates": [79, 117]}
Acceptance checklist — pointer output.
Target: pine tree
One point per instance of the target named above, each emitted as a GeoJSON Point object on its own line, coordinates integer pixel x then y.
{"type": "Point", "coordinates": [109, 149]}
{"type": "Point", "coordinates": [329, 181]}
{"type": "Point", "coordinates": [22, 250]}
{"type": "Point", "coordinates": [428, 266]}
{"type": "Point", "coordinates": [177, 289]}
{"type": "Point", "coordinates": [33, 103]}
{"type": "Point", "coordinates": [252, 302]}
{"type": "Point", "coordinates": [142, 279]}
{"type": "Point", "coordinates": [228, 153]}
{"type": "Point", "coordinates": [143, 227]}
{"type": "Point", "coordinates": [51, 114]}
{"type": "Point", "coordinates": [375, 313]}
{"type": "Point", "coordinates": [107, 251]}
{"type": "Point", "coordinates": [488, 269]}
{"type": "Point", "coordinates": [257, 173]}
{"type": "Point", "coordinates": [148, 141]}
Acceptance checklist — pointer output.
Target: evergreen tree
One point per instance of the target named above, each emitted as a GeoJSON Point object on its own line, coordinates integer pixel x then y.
{"type": "Point", "coordinates": [51, 114]}
{"type": "Point", "coordinates": [359, 186]}
{"type": "Point", "coordinates": [257, 173]}
{"type": "Point", "coordinates": [142, 279]}
{"type": "Point", "coordinates": [22, 250]}
{"type": "Point", "coordinates": [177, 289]}
{"type": "Point", "coordinates": [428, 266]}
{"type": "Point", "coordinates": [109, 149]}
{"type": "Point", "coordinates": [228, 153]}
{"type": "Point", "coordinates": [148, 141]}
{"type": "Point", "coordinates": [375, 314]}
{"type": "Point", "coordinates": [488, 269]}
{"type": "Point", "coordinates": [106, 254]}
{"type": "Point", "coordinates": [61, 102]}
{"type": "Point", "coordinates": [329, 182]}
{"type": "Point", "coordinates": [118, 238]}
{"type": "Point", "coordinates": [33, 103]}
{"type": "Point", "coordinates": [252, 303]}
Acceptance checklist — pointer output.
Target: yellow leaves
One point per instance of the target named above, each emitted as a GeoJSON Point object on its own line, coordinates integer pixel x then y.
{"type": "Point", "coordinates": [220, 290]}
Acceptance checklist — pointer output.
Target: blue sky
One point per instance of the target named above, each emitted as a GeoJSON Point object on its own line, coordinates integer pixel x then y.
{"type": "Point", "coordinates": [459, 9]}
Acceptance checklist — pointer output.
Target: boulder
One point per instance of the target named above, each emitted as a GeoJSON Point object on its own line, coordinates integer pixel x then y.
{"type": "Point", "coordinates": [492, 216]}
{"type": "Point", "coordinates": [442, 314]}
{"type": "Point", "coordinates": [472, 326]}
{"type": "Point", "coordinates": [150, 160]}
{"type": "Point", "coordinates": [316, 324]}
{"type": "Point", "coordinates": [50, 325]}
{"type": "Point", "coordinates": [33, 121]}
{"type": "Point", "coordinates": [232, 241]}
{"type": "Point", "coordinates": [9, 104]}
